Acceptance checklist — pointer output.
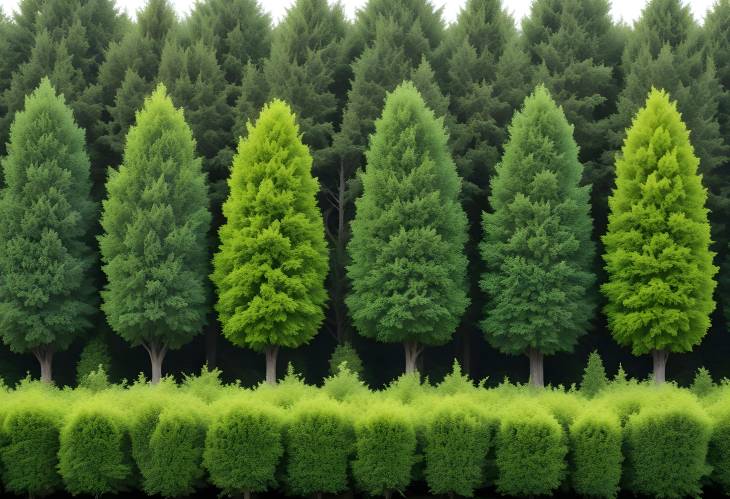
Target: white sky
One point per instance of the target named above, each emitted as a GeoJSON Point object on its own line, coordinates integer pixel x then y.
{"type": "Point", "coordinates": [626, 10]}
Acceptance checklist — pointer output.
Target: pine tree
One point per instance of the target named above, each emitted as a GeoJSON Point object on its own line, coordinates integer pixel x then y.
{"type": "Point", "coordinates": [408, 269]}
{"type": "Point", "coordinates": [594, 376]}
{"type": "Point", "coordinates": [155, 221]}
{"type": "Point", "coordinates": [537, 240]}
{"type": "Point", "coordinates": [46, 294]}
{"type": "Point", "coordinates": [577, 50]}
{"type": "Point", "coordinates": [660, 271]}
{"type": "Point", "coordinates": [272, 261]}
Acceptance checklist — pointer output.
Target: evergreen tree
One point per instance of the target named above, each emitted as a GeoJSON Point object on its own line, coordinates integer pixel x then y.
{"type": "Point", "coordinates": [127, 75]}
{"type": "Point", "coordinates": [155, 221]}
{"type": "Point", "coordinates": [537, 240]}
{"type": "Point", "coordinates": [408, 269]}
{"type": "Point", "coordinates": [660, 271]}
{"type": "Point", "coordinates": [487, 76]}
{"type": "Point", "coordinates": [46, 295]}
{"type": "Point", "coordinates": [6, 67]}
{"type": "Point", "coordinates": [272, 262]}
{"type": "Point", "coordinates": [594, 376]}
{"type": "Point", "coordinates": [576, 50]}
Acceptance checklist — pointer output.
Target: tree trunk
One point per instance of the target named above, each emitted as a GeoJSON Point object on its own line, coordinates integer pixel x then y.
{"type": "Point", "coordinates": [246, 494]}
{"type": "Point", "coordinates": [211, 343]}
{"type": "Point", "coordinates": [536, 368]}
{"type": "Point", "coordinates": [271, 353]}
{"type": "Point", "coordinates": [340, 256]}
{"type": "Point", "coordinates": [44, 355]}
{"type": "Point", "coordinates": [660, 365]}
{"type": "Point", "coordinates": [412, 351]}
{"type": "Point", "coordinates": [157, 356]}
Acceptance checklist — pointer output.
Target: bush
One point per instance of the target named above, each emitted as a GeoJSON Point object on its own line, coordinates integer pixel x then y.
{"type": "Point", "coordinates": [530, 449]}
{"type": "Point", "coordinates": [385, 450]}
{"type": "Point", "coordinates": [319, 442]}
{"type": "Point", "coordinates": [94, 450]}
{"type": "Point", "coordinates": [456, 440]}
{"type": "Point", "coordinates": [176, 446]}
{"type": "Point", "coordinates": [595, 444]}
{"type": "Point", "coordinates": [594, 376]}
{"type": "Point", "coordinates": [344, 385]}
{"type": "Point", "coordinates": [718, 453]}
{"type": "Point", "coordinates": [456, 382]}
{"type": "Point", "coordinates": [345, 353]}
{"type": "Point", "coordinates": [702, 385]}
{"type": "Point", "coordinates": [29, 453]}
{"type": "Point", "coordinates": [666, 449]}
{"type": "Point", "coordinates": [243, 447]}
{"type": "Point", "coordinates": [94, 354]}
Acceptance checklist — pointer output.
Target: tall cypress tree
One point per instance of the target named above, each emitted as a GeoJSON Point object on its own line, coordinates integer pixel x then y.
{"type": "Point", "coordinates": [537, 240]}
{"type": "Point", "coordinates": [660, 271]}
{"type": "Point", "coordinates": [577, 50]}
{"type": "Point", "coordinates": [408, 267]}
{"type": "Point", "coordinates": [155, 221]}
{"type": "Point", "coordinates": [46, 294]}
{"type": "Point", "coordinates": [272, 262]}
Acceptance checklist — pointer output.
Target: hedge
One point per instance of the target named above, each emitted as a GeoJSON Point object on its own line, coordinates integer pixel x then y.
{"type": "Point", "coordinates": [456, 438]}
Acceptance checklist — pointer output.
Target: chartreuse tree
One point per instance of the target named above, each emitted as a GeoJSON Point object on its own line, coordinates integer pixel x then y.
{"type": "Point", "coordinates": [272, 261]}
{"type": "Point", "coordinates": [155, 221]}
{"type": "Point", "coordinates": [408, 269]}
{"type": "Point", "coordinates": [660, 270]}
{"type": "Point", "coordinates": [537, 239]}
{"type": "Point", "coordinates": [46, 294]}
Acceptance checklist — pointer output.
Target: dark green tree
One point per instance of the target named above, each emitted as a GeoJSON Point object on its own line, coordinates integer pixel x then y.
{"type": "Point", "coordinates": [660, 271]}
{"type": "Point", "coordinates": [537, 239]}
{"type": "Point", "coordinates": [46, 294]}
{"type": "Point", "coordinates": [408, 269]}
{"type": "Point", "coordinates": [272, 262]}
{"type": "Point", "coordinates": [576, 50]}
{"type": "Point", "coordinates": [155, 221]}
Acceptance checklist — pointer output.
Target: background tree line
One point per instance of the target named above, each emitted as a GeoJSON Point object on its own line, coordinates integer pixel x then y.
{"type": "Point", "coordinates": [226, 59]}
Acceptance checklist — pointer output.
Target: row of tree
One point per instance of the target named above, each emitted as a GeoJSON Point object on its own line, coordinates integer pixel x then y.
{"type": "Point", "coordinates": [225, 60]}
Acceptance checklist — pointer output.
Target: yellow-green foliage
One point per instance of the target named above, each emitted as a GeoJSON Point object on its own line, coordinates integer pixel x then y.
{"type": "Point", "coordinates": [595, 445]}
{"type": "Point", "coordinates": [531, 450]}
{"type": "Point", "coordinates": [319, 442]}
{"type": "Point", "coordinates": [243, 446]}
{"type": "Point", "coordinates": [457, 437]}
{"type": "Point", "coordinates": [385, 449]}
{"type": "Point", "coordinates": [719, 449]}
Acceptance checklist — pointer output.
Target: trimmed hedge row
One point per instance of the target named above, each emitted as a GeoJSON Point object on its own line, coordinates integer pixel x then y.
{"type": "Point", "coordinates": [171, 440]}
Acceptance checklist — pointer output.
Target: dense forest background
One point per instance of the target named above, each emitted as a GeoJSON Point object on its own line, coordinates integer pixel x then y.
{"type": "Point", "coordinates": [226, 59]}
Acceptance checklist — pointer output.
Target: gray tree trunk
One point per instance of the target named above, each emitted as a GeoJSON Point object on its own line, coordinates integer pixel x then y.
{"type": "Point", "coordinates": [660, 365]}
{"type": "Point", "coordinates": [44, 355]}
{"type": "Point", "coordinates": [157, 356]}
{"type": "Point", "coordinates": [412, 351]}
{"type": "Point", "coordinates": [536, 368]}
{"type": "Point", "coordinates": [272, 352]}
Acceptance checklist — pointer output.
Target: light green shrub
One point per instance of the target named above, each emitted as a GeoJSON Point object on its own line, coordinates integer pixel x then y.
{"type": "Point", "coordinates": [594, 376]}
{"type": "Point", "coordinates": [243, 446]}
{"type": "Point", "coordinates": [703, 384]}
{"type": "Point", "coordinates": [94, 454]}
{"type": "Point", "coordinates": [385, 449]}
{"type": "Point", "coordinates": [530, 449]}
{"type": "Point", "coordinates": [457, 438]}
{"type": "Point", "coordinates": [718, 453]}
{"type": "Point", "coordinates": [595, 444]}
{"type": "Point", "coordinates": [666, 449]}
{"type": "Point", "coordinates": [29, 451]}
{"type": "Point", "coordinates": [319, 443]}
{"type": "Point", "coordinates": [175, 467]}
{"type": "Point", "coordinates": [95, 354]}
{"type": "Point", "coordinates": [407, 388]}
{"type": "Point", "coordinates": [345, 385]}
{"type": "Point", "coordinates": [345, 352]}
{"type": "Point", "coordinates": [456, 382]}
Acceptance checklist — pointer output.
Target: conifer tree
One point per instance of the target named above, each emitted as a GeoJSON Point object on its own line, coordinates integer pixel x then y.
{"type": "Point", "coordinates": [155, 221]}
{"type": "Point", "coordinates": [537, 239]}
{"type": "Point", "coordinates": [408, 269]}
{"type": "Point", "coordinates": [594, 376]}
{"type": "Point", "coordinates": [576, 51]}
{"type": "Point", "coordinates": [272, 261]}
{"type": "Point", "coordinates": [46, 294]}
{"type": "Point", "coordinates": [660, 271]}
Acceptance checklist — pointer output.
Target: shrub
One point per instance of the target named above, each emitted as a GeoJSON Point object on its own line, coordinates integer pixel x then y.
{"type": "Point", "coordinates": [594, 376]}
{"type": "Point", "coordinates": [385, 450]}
{"type": "Point", "coordinates": [666, 449]}
{"type": "Point", "coordinates": [96, 380]}
{"type": "Point", "coordinates": [595, 443]}
{"type": "Point", "coordinates": [344, 385]}
{"type": "Point", "coordinates": [29, 453]}
{"type": "Point", "coordinates": [319, 442]}
{"type": "Point", "coordinates": [455, 382]}
{"type": "Point", "coordinates": [345, 352]}
{"type": "Point", "coordinates": [718, 453]}
{"type": "Point", "coordinates": [243, 447]}
{"type": "Point", "coordinates": [94, 354]}
{"type": "Point", "coordinates": [176, 448]}
{"type": "Point", "coordinates": [456, 440]}
{"type": "Point", "coordinates": [702, 384]}
{"type": "Point", "coordinates": [94, 450]}
{"type": "Point", "coordinates": [530, 449]}
{"type": "Point", "coordinates": [207, 386]}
